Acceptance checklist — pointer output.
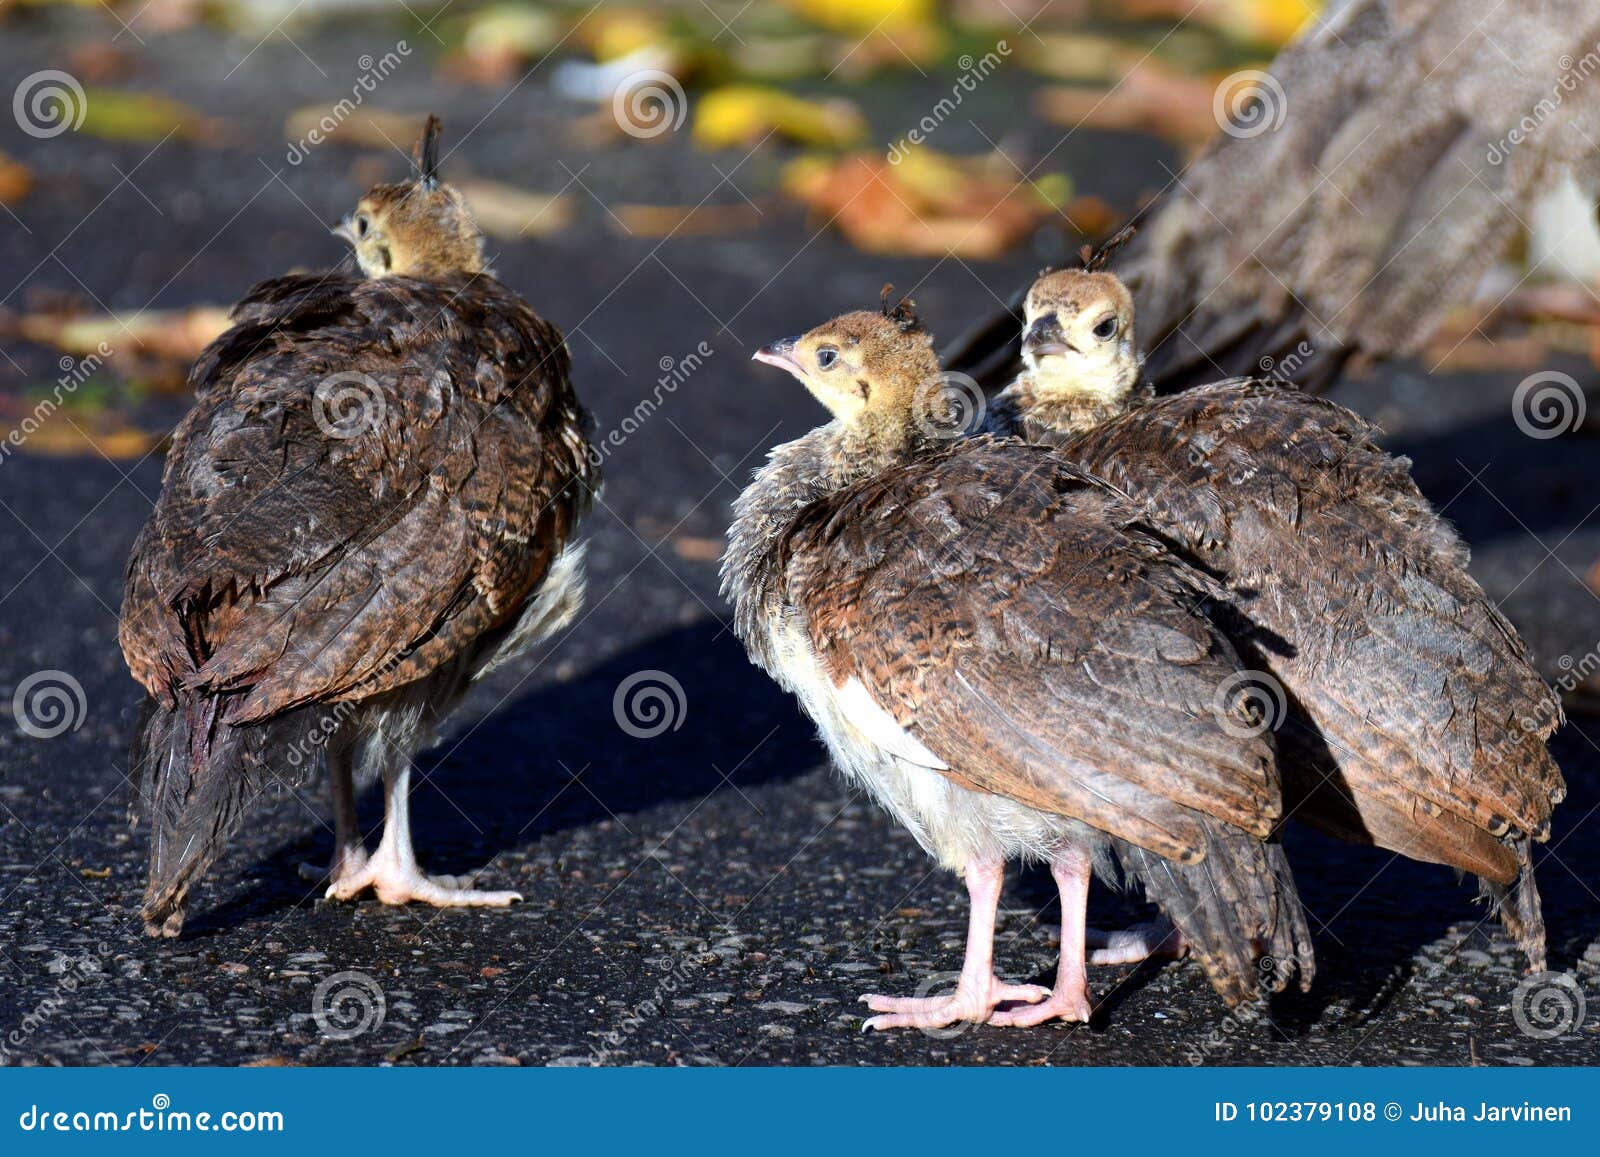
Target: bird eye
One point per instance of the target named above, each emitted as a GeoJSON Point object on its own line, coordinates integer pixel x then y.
{"type": "Point", "coordinates": [1105, 328]}
{"type": "Point", "coordinates": [363, 223]}
{"type": "Point", "coordinates": [826, 357]}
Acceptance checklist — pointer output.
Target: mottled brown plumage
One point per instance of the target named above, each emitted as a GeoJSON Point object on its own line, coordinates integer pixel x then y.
{"type": "Point", "coordinates": [373, 499]}
{"type": "Point", "coordinates": [1414, 717]}
{"type": "Point", "coordinates": [1384, 170]}
{"type": "Point", "coordinates": [1007, 664]}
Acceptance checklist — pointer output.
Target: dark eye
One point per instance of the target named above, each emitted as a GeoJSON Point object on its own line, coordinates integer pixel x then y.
{"type": "Point", "coordinates": [363, 223]}
{"type": "Point", "coordinates": [1106, 328]}
{"type": "Point", "coordinates": [826, 357]}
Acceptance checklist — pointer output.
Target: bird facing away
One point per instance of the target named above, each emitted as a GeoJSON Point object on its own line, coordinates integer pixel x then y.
{"type": "Point", "coordinates": [1010, 669]}
{"type": "Point", "coordinates": [1412, 717]}
{"type": "Point", "coordinates": [372, 502]}
{"type": "Point", "coordinates": [1367, 187]}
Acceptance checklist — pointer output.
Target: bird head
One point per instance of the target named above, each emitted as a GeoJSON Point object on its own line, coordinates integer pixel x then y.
{"type": "Point", "coordinates": [1077, 339]}
{"type": "Point", "coordinates": [868, 368]}
{"type": "Point", "coordinates": [416, 228]}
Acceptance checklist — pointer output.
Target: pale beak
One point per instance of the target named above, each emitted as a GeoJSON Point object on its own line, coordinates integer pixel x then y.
{"type": "Point", "coordinates": [1044, 338]}
{"type": "Point", "coordinates": [781, 354]}
{"type": "Point", "coordinates": [345, 229]}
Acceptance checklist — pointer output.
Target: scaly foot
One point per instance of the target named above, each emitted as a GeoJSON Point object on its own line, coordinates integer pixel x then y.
{"type": "Point", "coordinates": [973, 1002]}
{"type": "Point", "coordinates": [398, 883]}
{"type": "Point", "coordinates": [345, 862]}
{"type": "Point", "coordinates": [1157, 939]}
{"type": "Point", "coordinates": [1067, 1002]}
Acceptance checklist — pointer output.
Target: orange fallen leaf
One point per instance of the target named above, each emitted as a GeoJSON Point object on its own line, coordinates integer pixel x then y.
{"type": "Point", "coordinates": [176, 334]}
{"type": "Point", "coordinates": [926, 205]}
{"type": "Point", "coordinates": [686, 220]}
{"type": "Point", "coordinates": [16, 179]}
{"type": "Point", "coordinates": [694, 548]}
{"type": "Point", "coordinates": [1151, 98]}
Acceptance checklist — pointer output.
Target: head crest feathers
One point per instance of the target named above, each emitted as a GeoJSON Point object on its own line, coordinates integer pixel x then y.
{"type": "Point", "coordinates": [904, 314]}
{"type": "Point", "coordinates": [425, 157]}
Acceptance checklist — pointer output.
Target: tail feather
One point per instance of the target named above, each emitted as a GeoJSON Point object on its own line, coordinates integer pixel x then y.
{"type": "Point", "coordinates": [196, 775]}
{"type": "Point", "coordinates": [1519, 907]}
{"type": "Point", "coordinates": [1238, 909]}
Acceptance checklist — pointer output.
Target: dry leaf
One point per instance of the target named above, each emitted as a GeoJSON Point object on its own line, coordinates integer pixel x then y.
{"type": "Point", "coordinates": [16, 179]}
{"type": "Point", "coordinates": [694, 548]}
{"type": "Point", "coordinates": [178, 334]}
{"type": "Point", "coordinates": [1151, 98]}
{"type": "Point", "coordinates": [361, 129]}
{"type": "Point", "coordinates": [927, 204]}
{"type": "Point", "coordinates": [510, 213]}
{"type": "Point", "coordinates": [686, 220]}
{"type": "Point", "coordinates": [743, 115]}
{"type": "Point", "coordinates": [501, 39]}
{"type": "Point", "coordinates": [117, 115]}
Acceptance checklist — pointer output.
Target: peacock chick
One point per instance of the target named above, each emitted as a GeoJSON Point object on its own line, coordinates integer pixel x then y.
{"type": "Point", "coordinates": [1409, 712]}
{"type": "Point", "coordinates": [1011, 669]}
{"type": "Point", "coordinates": [374, 500]}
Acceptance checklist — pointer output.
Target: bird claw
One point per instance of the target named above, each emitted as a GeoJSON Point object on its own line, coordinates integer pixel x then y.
{"type": "Point", "coordinates": [967, 1003]}
{"type": "Point", "coordinates": [403, 884]}
{"type": "Point", "coordinates": [1156, 939]}
{"type": "Point", "coordinates": [1064, 1004]}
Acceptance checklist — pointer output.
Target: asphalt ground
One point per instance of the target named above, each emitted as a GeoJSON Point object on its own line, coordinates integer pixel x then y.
{"type": "Point", "coordinates": [711, 894]}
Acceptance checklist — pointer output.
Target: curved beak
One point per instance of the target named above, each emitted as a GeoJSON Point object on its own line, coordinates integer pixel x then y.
{"type": "Point", "coordinates": [781, 354]}
{"type": "Point", "coordinates": [345, 229]}
{"type": "Point", "coordinates": [1044, 338]}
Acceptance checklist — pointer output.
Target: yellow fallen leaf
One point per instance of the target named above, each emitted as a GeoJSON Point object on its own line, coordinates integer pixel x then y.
{"type": "Point", "coordinates": [1080, 57]}
{"type": "Point", "coordinates": [861, 16]}
{"type": "Point", "coordinates": [1270, 22]}
{"type": "Point", "coordinates": [508, 213]}
{"type": "Point", "coordinates": [501, 39]}
{"type": "Point", "coordinates": [117, 115]}
{"type": "Point", "coordinates": [744, 114]}
{"type": "Point", "coordinates": [178, 334]}
{"type": "Point", "coordinates": [614, 32]}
